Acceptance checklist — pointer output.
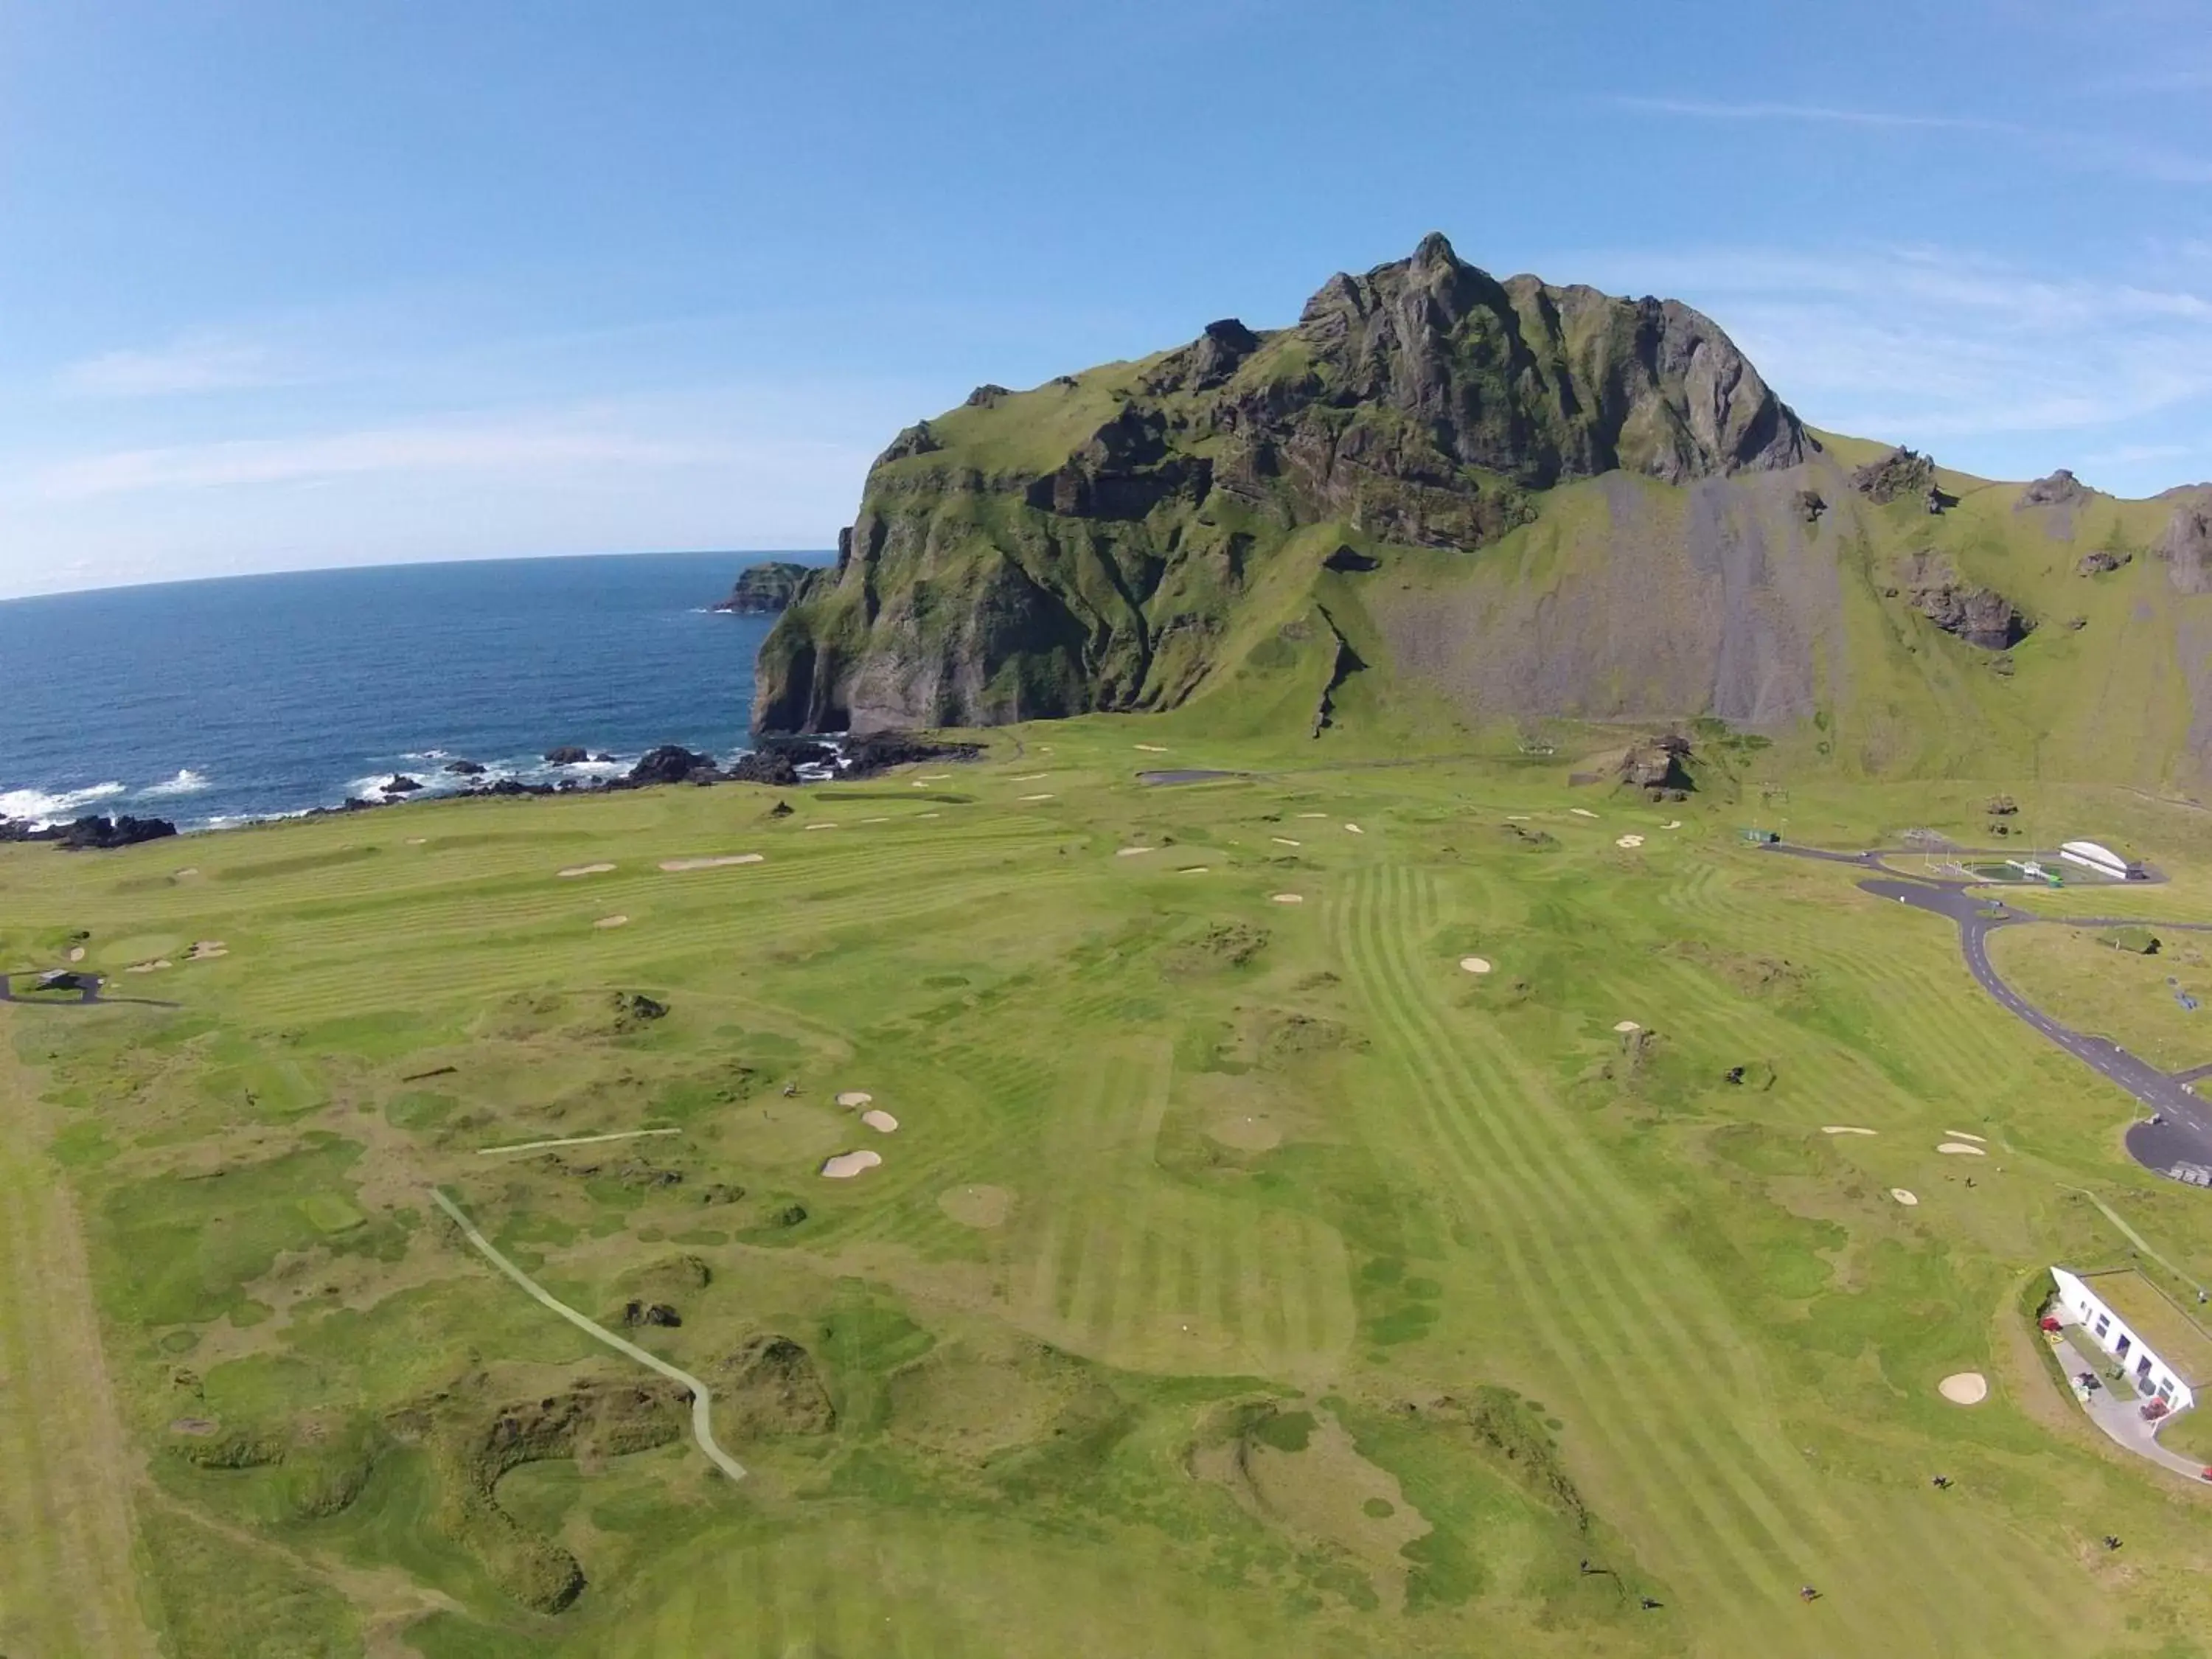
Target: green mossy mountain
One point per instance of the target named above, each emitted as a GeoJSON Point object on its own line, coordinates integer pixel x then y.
{"type": "Point", "coordinates": [1442, 495]}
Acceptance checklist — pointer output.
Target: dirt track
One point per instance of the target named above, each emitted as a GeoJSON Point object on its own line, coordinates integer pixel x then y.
{"type": "Point", "coordinates": [703, 1402]}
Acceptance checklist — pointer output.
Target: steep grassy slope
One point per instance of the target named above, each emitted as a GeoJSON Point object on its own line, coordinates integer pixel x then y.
{"type": "Point", "coordinates": [1242, 1277]}
{"type": "Point", "coordinates": [1512, 504]}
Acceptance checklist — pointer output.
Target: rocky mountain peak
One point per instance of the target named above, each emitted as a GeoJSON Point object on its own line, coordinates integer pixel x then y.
{"type": "Point", "coordinates": [1542, 383]}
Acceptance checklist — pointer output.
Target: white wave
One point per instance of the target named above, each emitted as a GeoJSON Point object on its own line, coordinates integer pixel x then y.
{"type": "Point", "coordinates": [44, 807]}
{"type": "Point", "coordinates": [187, 782]}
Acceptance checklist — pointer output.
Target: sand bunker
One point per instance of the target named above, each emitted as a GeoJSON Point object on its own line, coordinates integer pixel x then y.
{"type": "Point", "coordinates": [846, 1165]}
{"type": "Point", "coordinates": [926, 815]}
{"type": "Point", "coordinates": [1193, 869]}
{"type": "Point", "coordinates": [1672, 823]}
{"type": "Point", "coordinates": [1353, 829]}
{"type": "Point", "coordinates": [880, 1120]}
{"type": "Point", "coordinates": [576, 870]}
{"type": "Point", "coordinates": [1964, 1388]}
{"type": "Point", "coordinates": [189, 870]}
{"type": "Point", "coordinates": [147, 967]}
{"type": "Point", "coordinates": [1313, 815]}
{"type": "Point", "coordinates": [868, 821]}
{"type": "Point", "coordinates": [1517, 817]}
{"type": "Point", "coordinates": [976, 1206]}
{"type": "Point", "coordinates": [1284, 841]}
{"type": "Point", "coordinates": [611, 921]}
{"type": "Point", "coordinates": [1289, 898]}
{"type": "Point", "coordinates": [1582, 811]}
{"type": "Point", "coordinates": [205, 948]}
{"type": "Point", "coordinates": [1629, 841]}
{"type": "Point", "coordinates": [1032, 797]}
{"type": "Point", "coordinates": [1153, 747]}
{"type": "Point", "coordinates": [1903, 1197]}
{"type": "Point", "coordinates": [418, 840]}
{"type": "Point", "coordinates": [675, 865]}
{"type": "Point", "coordinates": [76, 953]}
{"type": "Point", "coordinates": [854, 1098]}
{"type": "Point", "coordinates": [1245, 1131]}
{"type": "Point", "coordinates": [935, 777]}
{"type": "Point", "coordinates": [1029, 777]}
{"type": "Point", "coordinates": [1626, 1026]}
{"type": "Point", "coordinates": [1960, 1135]}
{"type": "Point", "coordinates": [1961, 1149]}
{"type": "Point", "coordinates": [821, 826]}
{"type": "Point", "coordinates": [1474, 965]}
{"type": "Point", "coordinates": [1132, 852]}
{"type": "Point", "coordinates": [1843, 1129]}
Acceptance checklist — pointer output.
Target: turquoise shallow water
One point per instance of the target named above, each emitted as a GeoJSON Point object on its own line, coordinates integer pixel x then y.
{"type": "Point", "coordinates": [210, 703]}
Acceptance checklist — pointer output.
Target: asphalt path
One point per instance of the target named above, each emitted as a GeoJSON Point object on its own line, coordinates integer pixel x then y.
{"type": "Point", "coordinates": [2176, 1139]}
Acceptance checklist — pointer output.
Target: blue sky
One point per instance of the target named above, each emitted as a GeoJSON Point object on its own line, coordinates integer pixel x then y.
{"type": "Point", "coordinates": [288, 285]}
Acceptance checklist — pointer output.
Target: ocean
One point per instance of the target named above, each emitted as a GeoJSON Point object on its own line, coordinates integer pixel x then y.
{"type": "Point", "coordinates": [215, 703]}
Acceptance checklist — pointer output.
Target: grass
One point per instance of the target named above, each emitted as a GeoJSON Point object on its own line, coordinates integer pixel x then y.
{"type": "Point", "coordinates": [1483, 1288]}
{"type": "Point", "coordinates": [2100, 981]}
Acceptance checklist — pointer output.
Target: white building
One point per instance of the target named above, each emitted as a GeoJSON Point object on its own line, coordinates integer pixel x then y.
{"type": "Point", "coordinates": [2090, 855]}
{"type": "Point", "coordinates": [2166, 1354]}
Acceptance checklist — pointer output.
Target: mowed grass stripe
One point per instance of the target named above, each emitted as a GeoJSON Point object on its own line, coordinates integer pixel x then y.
{"type": "Point", "coordinates": [1625, 1248]}
{"type": "Point", "coordinates": [1698, 1310]}
{"type": "Point", "coordinates": [1617, 1408]}
{"type": "Point", "coordinates": [68, 1586]}
{"type": "Point", "coordinates": [1620, 1265]}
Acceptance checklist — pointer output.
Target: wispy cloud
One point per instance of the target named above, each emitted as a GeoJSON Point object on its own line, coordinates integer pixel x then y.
{"type": "Point", "coordinates": [536, 444]}
{"type": "Point", "coordinates": [1820, 114]}
{"type": "Point", "coordinates": [2010, 370]}
{"type": "Point", "coordinates": [2095, 151]}
{"type": "Point", "coordinates": [203, 362]}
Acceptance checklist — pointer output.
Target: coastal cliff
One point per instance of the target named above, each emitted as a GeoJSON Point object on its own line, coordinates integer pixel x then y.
{"type": "Point", "coordinates": [764, 589]}
{"type": "Point", "coordinates": [1442, 496]}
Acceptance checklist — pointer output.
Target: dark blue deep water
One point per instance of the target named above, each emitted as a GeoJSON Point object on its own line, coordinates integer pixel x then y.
{"type": "Point", "coordinates": [208, 702]}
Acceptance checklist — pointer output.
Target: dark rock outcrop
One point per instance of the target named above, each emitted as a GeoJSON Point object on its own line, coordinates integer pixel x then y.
{"type": "Point", "coordinates": [1808, 505]}
{"type": "Point", "coordinates": [765, 589]}
{"type": "Point", "coordinates": [2185, 545]}
{"type": "Point", "coordinates": [1659, 765]}
{"type": "Point", "coordinates": [768, 766]}
{"type": "Point", "coordinates": [400, 784]}
{"type": "Point", "coordinates": [2098, 561]}
{"type": "Point", "coordinates": [879, 751]}
{"type": "Point", "coordinates": [466, 768]}
{"type": "Point", "coordinates": [1901, 475]}
{"type": "Point", "coordinates": [93, 834]}
{"type": "Point", "coordinates": [2061, 488]}
{"type": "Point", "coordinates": [671, 763]}
{"type": "Point", "coordinates": [567, 754]}
{"type": "Point", "coordinates": [1980, 616]}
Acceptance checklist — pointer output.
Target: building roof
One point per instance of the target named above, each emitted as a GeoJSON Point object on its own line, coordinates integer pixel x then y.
{"type": "Point", "coordinates": [2154, 1317]}
{"type": "Point", "coordinates": [2090, 849]}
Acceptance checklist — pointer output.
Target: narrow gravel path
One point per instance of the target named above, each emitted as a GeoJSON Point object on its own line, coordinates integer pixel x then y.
{"type": "Point", "coordinates": [703, 1426]}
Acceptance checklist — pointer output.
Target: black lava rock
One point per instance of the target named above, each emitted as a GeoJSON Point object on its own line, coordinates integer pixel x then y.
{"type": "Point", "coordinates": [670, 764]}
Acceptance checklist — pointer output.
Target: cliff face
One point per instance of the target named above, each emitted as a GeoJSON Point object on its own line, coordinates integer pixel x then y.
{"type": "Point", "coordinates": [1442, 497]}
{"type": "Point", "coordinates": [1087, 544]}
{"type": "Point", "coordinates": [764, 589]}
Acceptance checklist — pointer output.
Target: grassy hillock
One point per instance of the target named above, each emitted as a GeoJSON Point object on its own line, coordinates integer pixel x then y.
{"type": "Point", "coordinates": [1242, 1275]}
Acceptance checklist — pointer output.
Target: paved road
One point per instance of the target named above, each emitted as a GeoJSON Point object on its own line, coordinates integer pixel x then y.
{"type": "Point", "coordinates": [2177, 1138]}
{"type": "Point", "coordinates": [702, 1422]}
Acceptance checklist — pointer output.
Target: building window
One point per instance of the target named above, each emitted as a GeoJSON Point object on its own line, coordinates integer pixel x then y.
{"type": "Point", "coordinates": [2104, 1324]}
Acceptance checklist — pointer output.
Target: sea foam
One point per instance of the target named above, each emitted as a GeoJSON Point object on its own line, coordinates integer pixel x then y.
{"type": "Point", "coordinates": [43, 807]}
{"type": "Point", "coordinates": [187, 782]}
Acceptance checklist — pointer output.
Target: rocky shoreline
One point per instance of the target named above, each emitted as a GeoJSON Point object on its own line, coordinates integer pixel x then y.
{"type": "Point", "coordinates": [779, 763]}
